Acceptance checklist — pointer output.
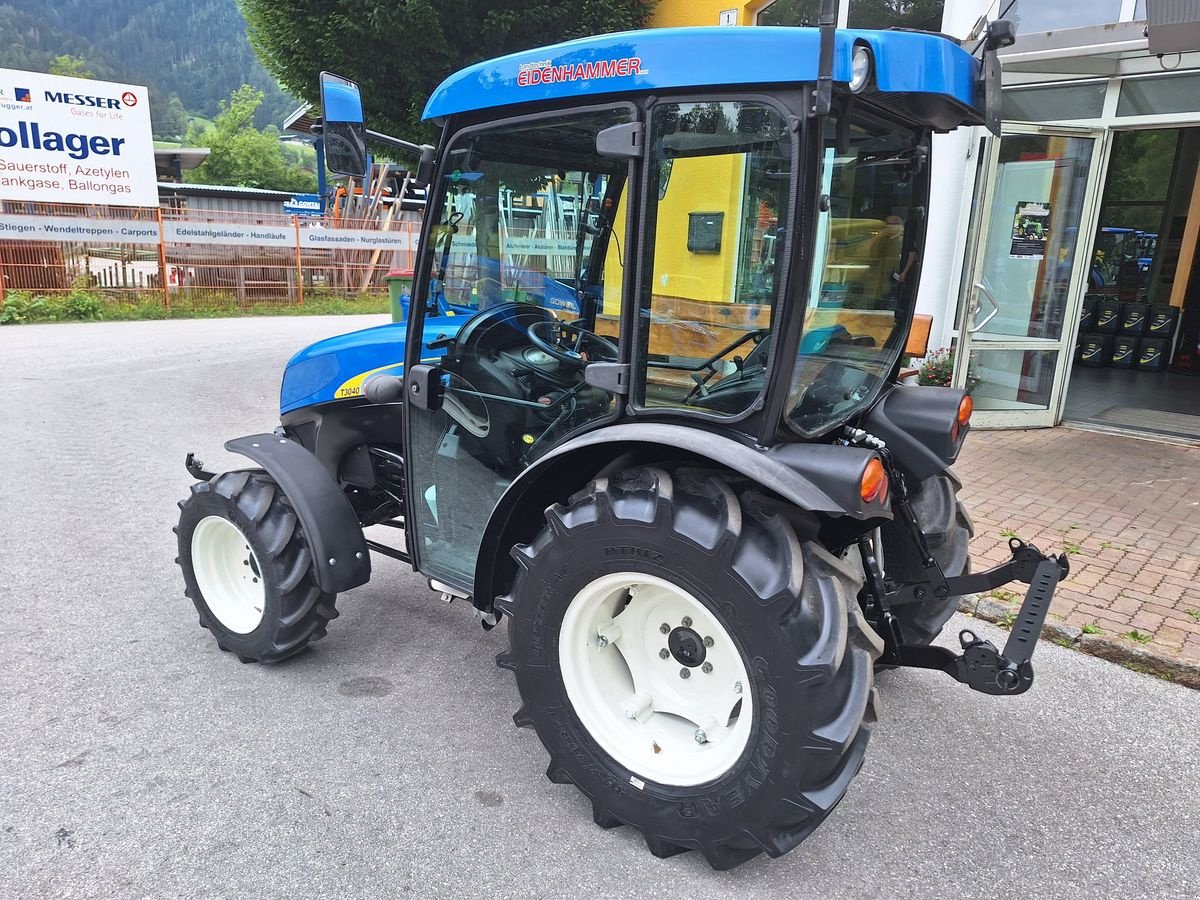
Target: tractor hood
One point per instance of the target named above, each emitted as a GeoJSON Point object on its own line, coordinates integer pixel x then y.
{"type": "Point", "coordinates": [336, 367]}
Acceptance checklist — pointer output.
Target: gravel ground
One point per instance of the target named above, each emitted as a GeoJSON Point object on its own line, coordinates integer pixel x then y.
{"type": "Point", "coordinates": [136, 760]}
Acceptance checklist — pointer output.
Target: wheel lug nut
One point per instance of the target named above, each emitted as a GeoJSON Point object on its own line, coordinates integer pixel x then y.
{"type": "Point", "coordinates": [708, 642]}
{"type": "Point", "coordinates": [664, 653]}
{"type": "Point", "coordinates": [664, 628]}
{"type": "Point", "coordinates": [737, 687]}
{"type": "Point", "coordinates": [701, 737]}
{"type": "Point", "coordinates": [685, 674]}
{"type": "Point", "coordinates": [687, 622]}
{"type": "Point", "coordinates": [706, 668]}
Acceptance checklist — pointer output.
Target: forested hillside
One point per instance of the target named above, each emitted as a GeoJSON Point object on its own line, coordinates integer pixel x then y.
{"type": "Point", "coordinates": [195, 49]}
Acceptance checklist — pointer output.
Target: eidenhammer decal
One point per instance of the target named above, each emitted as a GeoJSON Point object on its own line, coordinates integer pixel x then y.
{"type": "Point", "coordinates": [544, 72]}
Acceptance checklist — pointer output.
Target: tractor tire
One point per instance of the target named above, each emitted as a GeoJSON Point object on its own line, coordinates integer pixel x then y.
{"type": "Point", "coordinates": [691, 666]}
{"type": "Point", "coordinates": [948, 530]}
{"type": "Point", "coordinates": [248, 569]}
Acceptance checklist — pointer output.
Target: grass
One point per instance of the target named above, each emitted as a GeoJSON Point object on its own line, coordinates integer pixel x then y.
{"type": "Point", "coordinates": [1008, 533]}
{"type": "Point", "coordinates": [1138, 636]}
{"type": "Point", "coordinates": [1091, 628]}
{"type": "Point", "coordinates": [1071, 549]}
{"type": "Point", "coordinates": [1194, 613]}
{"type": "Point", "coordinates": [1004, 596]}
{"type": "Point", "coordinates": [82, 305]}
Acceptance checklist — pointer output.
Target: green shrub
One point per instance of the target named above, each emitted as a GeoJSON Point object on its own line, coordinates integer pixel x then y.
{"type": "Point", "coordinates": [81, 305]}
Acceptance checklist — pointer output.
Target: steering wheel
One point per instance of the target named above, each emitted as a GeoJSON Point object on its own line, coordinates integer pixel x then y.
{"type": "Point", "coordinates": [556, 345]}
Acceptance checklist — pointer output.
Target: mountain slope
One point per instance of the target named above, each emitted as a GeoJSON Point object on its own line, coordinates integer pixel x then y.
{"type": "Point", "coordinates": [196, 49]}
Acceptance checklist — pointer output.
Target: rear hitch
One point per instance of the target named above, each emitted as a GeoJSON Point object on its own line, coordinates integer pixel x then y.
{"type": "Point", "coordinates": [980, 666]}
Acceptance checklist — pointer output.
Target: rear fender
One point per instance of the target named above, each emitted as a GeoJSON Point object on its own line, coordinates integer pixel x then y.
{"type": "Point", "coordinates": [334, 535]}
{"type": "Point", "coordinates": [920, 426]}
{"type": "Point", "coordinates": [819, 478]}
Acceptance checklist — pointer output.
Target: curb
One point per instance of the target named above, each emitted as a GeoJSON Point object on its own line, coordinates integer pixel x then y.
{"type": "Point", "coordinates": [1135, 658]}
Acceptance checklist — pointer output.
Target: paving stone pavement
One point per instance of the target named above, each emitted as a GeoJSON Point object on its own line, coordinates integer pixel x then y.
{"type": "Point", "coordinates": [1126, 510]}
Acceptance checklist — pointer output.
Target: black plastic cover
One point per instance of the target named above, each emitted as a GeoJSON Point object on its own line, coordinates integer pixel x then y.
{"type": "Point", "coordinates": [920, 426]}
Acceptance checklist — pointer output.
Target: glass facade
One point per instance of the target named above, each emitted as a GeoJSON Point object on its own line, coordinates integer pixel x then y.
{"type": "Point", "coordinates": [1054, 103]}
{"type": "Point", "coordinates": [1155, 96]}
{"type": "Point", "coordinates": [1032, 16]}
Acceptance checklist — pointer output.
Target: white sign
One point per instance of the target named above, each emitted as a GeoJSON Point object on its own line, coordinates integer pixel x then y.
{"type": "Point", "coordinates": [75, 140]}
{"type": "Point", "coordinates": [357, 238]}
{"type": "Point", "coordinates": [242, 235]}
{"type": "Point", "coordinates": [64, 229]}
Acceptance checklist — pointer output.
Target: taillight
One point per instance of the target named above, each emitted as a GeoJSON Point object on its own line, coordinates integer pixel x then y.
{"type": "Point", "coordinates": [966, 406]}
{"type": "Point", "coordinates": [874, 482]}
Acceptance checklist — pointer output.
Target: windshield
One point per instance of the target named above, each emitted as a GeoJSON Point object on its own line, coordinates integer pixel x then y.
{"type": "Point", "coordinates": [866, 264]}
{"type": "Point", "coordinates": [520, 214]}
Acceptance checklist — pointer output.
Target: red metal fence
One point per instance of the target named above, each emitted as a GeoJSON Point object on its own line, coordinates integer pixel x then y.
{"type": "Point", "coordinates": [204, 258]}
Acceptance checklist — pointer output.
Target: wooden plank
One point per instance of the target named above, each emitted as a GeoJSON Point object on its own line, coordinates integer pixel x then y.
{"type": "Point", "coordinates": [1191, 233]}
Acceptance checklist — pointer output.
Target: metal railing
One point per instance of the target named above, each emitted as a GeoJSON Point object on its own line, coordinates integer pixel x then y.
{"type": "Point", "coordinates": [202, 257]}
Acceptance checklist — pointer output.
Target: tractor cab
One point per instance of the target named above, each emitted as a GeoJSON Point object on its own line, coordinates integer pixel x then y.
{"type": "Point", "coordinates": [656, 227]}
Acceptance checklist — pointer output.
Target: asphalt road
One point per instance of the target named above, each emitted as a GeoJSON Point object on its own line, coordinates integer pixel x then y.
{"type": "Point", "coordinates": [136, 760]}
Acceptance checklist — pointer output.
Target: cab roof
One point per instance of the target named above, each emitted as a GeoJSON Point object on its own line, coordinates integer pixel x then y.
{"type": "Point", "coordinates": [905, 62]}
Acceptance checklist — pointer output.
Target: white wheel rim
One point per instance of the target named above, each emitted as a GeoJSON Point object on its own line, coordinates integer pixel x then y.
{"type": "Point", "coordinates": [637, 705]}
{"type": "Point", "coordinates": [228, 574]}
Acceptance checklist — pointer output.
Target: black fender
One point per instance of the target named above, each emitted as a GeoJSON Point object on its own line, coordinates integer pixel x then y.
{"type": "Point", "coordinates": [920, 426]}
{"type": "Point", "coordinates": [819, 478]}
{"type": "Point", "coordinates": [331, 526]}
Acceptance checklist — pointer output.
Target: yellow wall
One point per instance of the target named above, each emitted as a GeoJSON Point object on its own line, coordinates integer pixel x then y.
{"type": "Point", "coordinates": [702, 184]}
{"type": "Point", "coordinates": [698, 184]}
{"type": "Point", "coordinates": [674, 13]}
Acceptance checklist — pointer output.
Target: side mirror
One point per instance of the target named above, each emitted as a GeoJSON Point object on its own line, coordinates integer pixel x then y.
{"type": "Point", "coordinates": [343, 128]}
{"type": "Point", "coordinates": [425, 165]}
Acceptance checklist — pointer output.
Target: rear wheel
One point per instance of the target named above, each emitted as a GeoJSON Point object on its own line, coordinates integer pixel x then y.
{"type": "Point", "coordinates": [690, 665]}
{"type": "Point", "coordinates": [248, 570]}
{"type": "Point", "coordinates": [948, 530]}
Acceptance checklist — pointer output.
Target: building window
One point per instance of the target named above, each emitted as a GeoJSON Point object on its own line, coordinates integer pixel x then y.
{"type": "Point", "coordinates": [1030, 16]}
{"type": "Point", "coordinates": [795, 13]}
{"type": "Point", "coordinates": [923, 14]}
{"type": "Point", "coordinates": [1158, 95]}
{"type": "Point", "coordinates": [1052, 104]}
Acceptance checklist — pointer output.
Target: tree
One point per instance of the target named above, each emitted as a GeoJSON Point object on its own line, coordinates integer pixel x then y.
{"type": "Point", "coordinates": [242, 154]}
{"type": "Point", "coordinates": [399, 52]}
{"type": "Point", "coordinates": [71, 66]}
{"type": "Point", "coordinates": [168, 118]}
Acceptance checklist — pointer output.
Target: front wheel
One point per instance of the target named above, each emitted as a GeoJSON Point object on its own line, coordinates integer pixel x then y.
{"type": "Point", "coordinates": [690, 665]}
{"type": "Point", "coordinates": [248, 569]}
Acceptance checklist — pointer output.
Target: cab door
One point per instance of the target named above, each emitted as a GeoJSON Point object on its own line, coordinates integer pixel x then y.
{"type": "Point", "coordinates": [526, 227]}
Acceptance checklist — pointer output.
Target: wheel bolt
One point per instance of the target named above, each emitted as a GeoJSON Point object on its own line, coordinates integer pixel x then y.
{"type": "Point", "coordinates": [664, 653]}
{"type": "Point", "coordinates": [706, 668]}
{"type": "Point", "coordinates": [685, 674]}
{"type": "Point", "coordinates": [664, 628]}
{"type": "Point", "coordinates": [701, 737]}
{"type": "Point", "coordinates": [687, 622]}
{"type": "Point", "coordinates": [708, 642]}
{"type": "Point", "coordinates": [737, 687]}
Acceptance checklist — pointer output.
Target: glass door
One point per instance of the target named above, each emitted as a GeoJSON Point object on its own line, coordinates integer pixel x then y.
{"type": "Point", "coordinates": [1027, 273]}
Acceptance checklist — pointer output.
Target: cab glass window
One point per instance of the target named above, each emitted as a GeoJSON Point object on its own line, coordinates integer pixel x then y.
{"type": "Point", "coordinates": [873, 180]}
{"type": "Point", "coordinates": [717, 224]}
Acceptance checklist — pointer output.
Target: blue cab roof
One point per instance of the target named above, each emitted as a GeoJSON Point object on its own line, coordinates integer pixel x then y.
{"type": "Point", "coordinates": [668, 58]}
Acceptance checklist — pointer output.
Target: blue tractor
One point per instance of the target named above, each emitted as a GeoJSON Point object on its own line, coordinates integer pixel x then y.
{"type": "Point", "coordinates": [645, 412]}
